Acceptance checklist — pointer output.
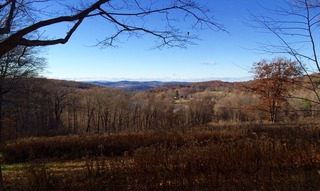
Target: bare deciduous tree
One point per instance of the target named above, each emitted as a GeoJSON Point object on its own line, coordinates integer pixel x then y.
{"type": "Point", "coordinates": [24, 22]}
{"type": "Point", "coordinates": [296, 26]}
{"type": "Point", "coordinates": [19, 62]}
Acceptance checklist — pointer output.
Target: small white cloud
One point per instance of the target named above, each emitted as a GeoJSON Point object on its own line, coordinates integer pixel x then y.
{"type": "Point", "coordinates": [208, 63]}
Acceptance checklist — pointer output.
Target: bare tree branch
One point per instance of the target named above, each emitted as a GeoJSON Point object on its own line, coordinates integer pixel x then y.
{"type": "Point", "coordinates": [64, 40]}
{"type": "Point", "coordinates": [296, 24]}
{"type": "Point", "coordinates": [127, 17]}
{"type": "Point", "coordinates": [18, 37]}
{"type": "Point", "coordinates": [5, 4]}
{"type": "Point", "coordinates": [8, 20]}
{"type": "Point", "coordinates": [21, 55]}
{"type": "Point", "coordinates": [168, 37]}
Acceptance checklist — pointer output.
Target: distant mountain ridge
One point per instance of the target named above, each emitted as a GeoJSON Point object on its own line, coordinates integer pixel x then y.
{"type": "Point", "coordinates": [131, 86]}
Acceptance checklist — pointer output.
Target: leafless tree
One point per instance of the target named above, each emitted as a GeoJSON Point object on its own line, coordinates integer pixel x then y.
{"type": "Point", "coordinates": [19, 62]}
{"type": "Point", "coordinates": [25, 22]}
{"type": "Point", "coordinates": [296, 26]}
{"type": "Point", "coordinates": [62, 98]}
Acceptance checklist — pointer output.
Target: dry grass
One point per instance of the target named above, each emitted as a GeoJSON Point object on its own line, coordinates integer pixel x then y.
{"type": "Point", "coordinates": [248, 157]}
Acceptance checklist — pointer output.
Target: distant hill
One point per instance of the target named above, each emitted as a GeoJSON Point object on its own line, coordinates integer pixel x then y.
{"type": "Point", "coordinates": [131, 86]}
{"type": "Point", "coordinates": [215, 85]}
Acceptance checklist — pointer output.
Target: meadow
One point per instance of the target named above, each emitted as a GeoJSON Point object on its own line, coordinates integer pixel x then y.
{"type": "Point", "coordinates": [206, 157]}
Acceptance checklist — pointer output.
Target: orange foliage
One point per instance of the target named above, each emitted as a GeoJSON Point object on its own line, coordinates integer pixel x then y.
{"type": "Point", "coordinates": [273, 81]}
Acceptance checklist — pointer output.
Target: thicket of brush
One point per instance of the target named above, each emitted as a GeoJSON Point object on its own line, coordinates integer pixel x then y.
{"type": "Point", "coordinates": [78, 146]}
{"type": "Point", "coordinates": [249, 157]}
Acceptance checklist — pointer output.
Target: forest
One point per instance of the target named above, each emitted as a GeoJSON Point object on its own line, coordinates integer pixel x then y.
{"type": "Point", "coordinates": [40, 107]}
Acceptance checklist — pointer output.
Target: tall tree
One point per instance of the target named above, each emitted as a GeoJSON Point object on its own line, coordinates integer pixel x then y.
{"type": "Point", "coordinates": [19, 62]}
{"type": "Point", "coordinates": [63, 97]}
{"type": "Point", "coordinates": [21, 20]}
{"type": "Point", "coordinates": [272, 82]}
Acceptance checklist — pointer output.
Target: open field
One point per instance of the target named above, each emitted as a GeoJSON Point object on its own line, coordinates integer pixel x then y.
{"type": "Point", "coordinates": [237, 157]}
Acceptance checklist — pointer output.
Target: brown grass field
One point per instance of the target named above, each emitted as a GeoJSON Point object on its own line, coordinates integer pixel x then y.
{"type": "Point", "coordinates": [212, 157]}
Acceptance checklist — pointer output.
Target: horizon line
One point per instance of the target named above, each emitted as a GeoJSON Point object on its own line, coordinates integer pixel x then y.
{"type": "Point", "coordinates": [90, 79]}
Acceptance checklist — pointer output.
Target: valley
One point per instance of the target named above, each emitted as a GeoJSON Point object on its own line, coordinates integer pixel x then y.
{"type": "Point", "coordinates": [64, 135]}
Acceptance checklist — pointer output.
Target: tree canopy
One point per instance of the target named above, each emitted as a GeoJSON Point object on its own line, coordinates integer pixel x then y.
{"type": "Point", "coordinates": [273, 81]}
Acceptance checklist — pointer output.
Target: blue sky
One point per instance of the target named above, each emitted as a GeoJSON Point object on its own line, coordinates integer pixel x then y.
{"type": "Point", "coordinates": [217, 55]}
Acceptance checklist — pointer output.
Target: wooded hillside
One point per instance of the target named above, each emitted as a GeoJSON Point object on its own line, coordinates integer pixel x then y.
{"type": "Point", "coordinates": [48, 107]}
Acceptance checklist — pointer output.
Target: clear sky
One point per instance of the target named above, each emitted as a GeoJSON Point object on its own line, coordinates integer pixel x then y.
{"type": "Point", "coordinates": [217, 55]}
